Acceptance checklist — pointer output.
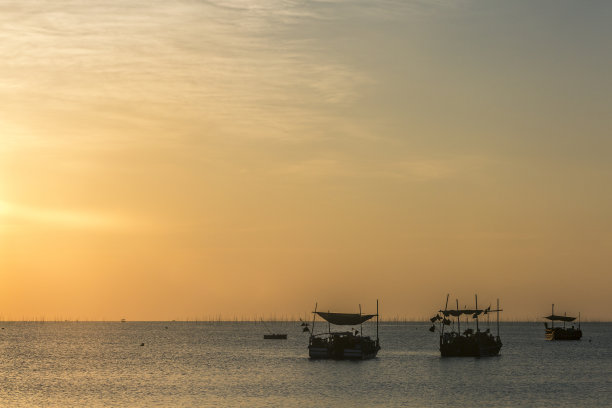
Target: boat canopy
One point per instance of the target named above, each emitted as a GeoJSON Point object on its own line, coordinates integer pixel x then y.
{"type": "Point", "coordinates": [460, 312]}
{"type": "Point", "coordinates": [560, 318]}
{"type": "Point", "coordinates": [345, 319]}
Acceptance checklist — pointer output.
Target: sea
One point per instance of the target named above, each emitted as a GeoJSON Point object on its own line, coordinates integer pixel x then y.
{"type": "Point", "coordinates": [229, 364]}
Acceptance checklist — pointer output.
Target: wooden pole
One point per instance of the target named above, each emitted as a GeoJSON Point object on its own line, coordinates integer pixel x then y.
{"type": "Point", "coordinates": [476, 297]}
{"type": "Point", "coordinates": [498, 318]}
{"type": "Point", "coordinates": [314, 315]}
{"type": "Point", "coordinates": [361, 326]}
{"type": "Point", "coordinates": [444, 315]}
{"type": "Point", "coordinates": [458, 317]}
{"type": "Point", "coordinates": [377, 322]}
{"type": "Point", "coordinates": [552, 321]}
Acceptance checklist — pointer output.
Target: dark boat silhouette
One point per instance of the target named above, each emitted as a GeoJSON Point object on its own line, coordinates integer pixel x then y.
{"type": "Point", "coordinates": [562, 333]}
{"type": "Point", "coordinates": [273, 336]}
{"type": "Point", "coordinates": [469, 343]}
{"type": "Point", "coordinates": [343, 345]}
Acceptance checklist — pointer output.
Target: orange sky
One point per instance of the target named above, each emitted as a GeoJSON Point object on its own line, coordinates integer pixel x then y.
{"type": "Point", "coordinates": [243, 158]}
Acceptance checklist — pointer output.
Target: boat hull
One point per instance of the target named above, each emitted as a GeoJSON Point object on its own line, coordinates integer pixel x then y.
{"type": "Point", "coordinates": [275, 336]}
{"type": "Point", "coordinates": [559, 333]}
{"type": "Point", "coordinates": [342, 346]}
{"type": "Point", "coordinates": [473, 346]}
{"type": "Point", "coordinates": [330, 353]}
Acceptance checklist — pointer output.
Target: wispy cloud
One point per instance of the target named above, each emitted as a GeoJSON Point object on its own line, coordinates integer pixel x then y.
{"type": "Point", "coordinates": [72, 219]}
{"type": "Point", "coordinates": [246, 69]}
{"type": "Point", "coordinates": [415, 169]}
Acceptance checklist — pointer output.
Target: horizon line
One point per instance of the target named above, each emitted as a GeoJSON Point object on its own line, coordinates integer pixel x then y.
{"type": "Point", "coordinates": [257, 321]}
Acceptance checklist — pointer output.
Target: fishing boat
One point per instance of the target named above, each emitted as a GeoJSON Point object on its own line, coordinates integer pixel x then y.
{"type": "Point", "coordinates": [343, 345]}
{"type": "Point", "coordinates": [273, 336]}
{"type": "Point", "coordinates": [562, 333]}
{"type": "Point", "coordinates": [469, 343]}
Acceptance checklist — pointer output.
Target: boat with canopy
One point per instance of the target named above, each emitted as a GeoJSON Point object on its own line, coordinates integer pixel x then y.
{"type": "Point", "coordinates": [469, 343]}
{"type": "Point", "coordinates": [341, 345]}
{"type": "Point", "coordinates": [562, 333]}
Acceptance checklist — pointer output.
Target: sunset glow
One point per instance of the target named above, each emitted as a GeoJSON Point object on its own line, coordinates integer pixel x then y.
{"type": "Point", "coordinates": [233, 158]}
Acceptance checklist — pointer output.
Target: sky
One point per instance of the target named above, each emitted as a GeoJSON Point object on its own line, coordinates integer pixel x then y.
{"type": "Point", "coordinates": [230, 159]}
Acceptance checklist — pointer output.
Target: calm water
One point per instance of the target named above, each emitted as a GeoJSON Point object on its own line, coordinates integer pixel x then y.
{"type": "Point", "coordinates": [229, 364]}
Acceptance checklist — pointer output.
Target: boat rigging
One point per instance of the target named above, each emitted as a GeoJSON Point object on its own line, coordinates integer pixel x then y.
{"type": "Point", "coordinates": [454, 343]}
{"type": "Point", "coordinates": [343, 344]}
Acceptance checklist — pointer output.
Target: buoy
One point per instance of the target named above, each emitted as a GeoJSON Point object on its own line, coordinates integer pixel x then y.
{"type": "Point", "coordinates": [141, 344]}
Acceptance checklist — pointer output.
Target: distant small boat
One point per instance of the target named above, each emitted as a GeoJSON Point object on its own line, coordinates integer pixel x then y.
{"type": "Point", "coordinates": [122, 320]}
{"type": "Point", "coordinates": [274, 336]}
{"type": "Point", "coordinates": [305, 326]}
{"type": "Point", "coordinates": [454, 343]}
{"type": "Point", "coordinates": [562, 333]}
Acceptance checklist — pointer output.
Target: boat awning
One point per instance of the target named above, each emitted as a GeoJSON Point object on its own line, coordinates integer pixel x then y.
{"type": "Point", "coordinates": [560, 318]}
{"type": "Point", "coordinates": [460, 312]}
{"type": "Point", "coordinates": [473, 312]}
{"type": "Point", "coordinates": [345, 319]}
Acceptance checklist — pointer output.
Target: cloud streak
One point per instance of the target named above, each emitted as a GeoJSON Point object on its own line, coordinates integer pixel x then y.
{"type": "Point", "coordinates": [245, 69]}
{"type": "Point", "coordinates": [71, 219]}
{"type": "Point", "coordinates": [415, 169]}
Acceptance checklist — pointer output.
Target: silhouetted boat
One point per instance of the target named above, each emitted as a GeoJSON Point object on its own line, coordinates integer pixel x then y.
{"type": "Point", "coordinates": [351, 345]}
{"type": "Point", "coordinates": [273, 336]}
{"type": "Point", "coordinates": [562, 333]}
{"type": "Point", "coordinates": [454, 343]}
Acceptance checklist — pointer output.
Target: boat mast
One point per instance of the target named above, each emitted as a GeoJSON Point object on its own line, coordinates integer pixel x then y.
{"type": "Point", "coordinates": [444, 314]}
{"type": "Point", "coordinates": [564, 314]}
{"type": "Point", "coordinates": [377, 322]}
{"type": "Point", "coordinates": [361, 328]}
{"type": "Point", "coordinates": [314, 314]}
{"type": "Point", "coordinates": [328, 325]}
{"type": "Point", "coordinates": [458, 317]}
{"type": "Point", "coordinates": [476, 297]}
{"type": "Point", "coordinates": [498, 318]}
{"type": "Point", "coordinates": [552, 321]}
{"type": "Point", "coordinates": [578, 320]}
